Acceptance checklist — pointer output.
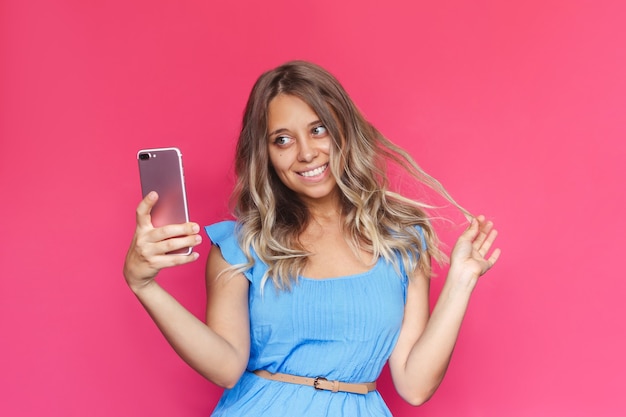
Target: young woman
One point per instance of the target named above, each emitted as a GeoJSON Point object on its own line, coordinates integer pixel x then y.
{"type": "Point", "coordinates": [324, 275]}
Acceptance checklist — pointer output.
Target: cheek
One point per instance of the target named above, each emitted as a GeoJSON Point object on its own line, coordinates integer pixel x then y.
{"type": "Point", "coordinates": [325, 146]}
{"type": "Point", "coordinates": [277, 160]}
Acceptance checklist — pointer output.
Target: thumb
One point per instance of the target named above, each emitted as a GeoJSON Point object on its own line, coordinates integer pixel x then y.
{"type": "Point", "coordinates": [145, 208]}
{"type": "Point", "coordinates": [472, 230]}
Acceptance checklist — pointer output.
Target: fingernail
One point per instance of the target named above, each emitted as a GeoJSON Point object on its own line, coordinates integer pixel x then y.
{"type": "Point", "coordinates": [195, 228]}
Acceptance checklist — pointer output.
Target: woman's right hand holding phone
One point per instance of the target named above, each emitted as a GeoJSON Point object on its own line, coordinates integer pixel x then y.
{"type": "Point", "coordinates": [148, 252]}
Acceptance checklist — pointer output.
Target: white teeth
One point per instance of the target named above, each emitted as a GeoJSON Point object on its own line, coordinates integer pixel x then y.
{"type": "Point", "coordinates": [314, 172]}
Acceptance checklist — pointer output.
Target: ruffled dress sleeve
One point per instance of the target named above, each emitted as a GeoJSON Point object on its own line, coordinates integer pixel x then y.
{"type": "Point", "coordinates": [403, 273]}
{"type": "Point", "coordinates": [223, 236]}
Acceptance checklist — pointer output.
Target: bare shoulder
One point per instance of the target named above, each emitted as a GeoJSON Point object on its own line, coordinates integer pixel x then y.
{"type": "Point", "coordinates": [222, 281]}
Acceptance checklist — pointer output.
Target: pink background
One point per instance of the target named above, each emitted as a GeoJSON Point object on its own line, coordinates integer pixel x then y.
{"type": "Point", "coordinates": [517, 107]}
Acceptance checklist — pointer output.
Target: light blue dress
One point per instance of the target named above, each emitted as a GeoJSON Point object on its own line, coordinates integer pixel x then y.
{"type": "Point", "coordinates": [340, 328]}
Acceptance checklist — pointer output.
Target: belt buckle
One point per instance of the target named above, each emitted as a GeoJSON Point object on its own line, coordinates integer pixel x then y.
{"type": "Point", "coordinates": [316, 382]}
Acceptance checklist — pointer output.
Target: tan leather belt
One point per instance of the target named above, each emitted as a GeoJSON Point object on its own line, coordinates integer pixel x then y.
{"type": "Point", "coordinates": [319, 383]}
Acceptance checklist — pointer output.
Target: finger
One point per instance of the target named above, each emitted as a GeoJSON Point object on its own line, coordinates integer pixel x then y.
{"type": "Point", "coordinates": [174, 230]}
{"type": "Point", "coordinates": [477, 231]}
{"type": "Point", "coordinates": [473, 229]}
{"type": "Point", "coordinates": [149, 243]}
{"type": "Point", "coordinates": [145, 207]}
{"type": "Point", "coordinates": [484, 229]}
{"type": "Point", "coordinates": [494, 257]}
{"type": "Point", "coordinates": [170, 245]}
{"type": "Point", "coordinates": [168, 261]}
{"type": "Point", "coordinates": [485, 238]}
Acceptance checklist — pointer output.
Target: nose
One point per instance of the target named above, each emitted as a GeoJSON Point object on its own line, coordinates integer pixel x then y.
{"type": "Point", "coordinates": [307, 151]}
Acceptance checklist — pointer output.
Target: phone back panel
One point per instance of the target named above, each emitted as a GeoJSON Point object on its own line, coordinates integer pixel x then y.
{"type": "Point", "coordinates": [161, 170]}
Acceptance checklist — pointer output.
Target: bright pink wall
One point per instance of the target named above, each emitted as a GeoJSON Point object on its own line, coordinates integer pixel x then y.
{"type": "Point", "coordinates": [518, 107]}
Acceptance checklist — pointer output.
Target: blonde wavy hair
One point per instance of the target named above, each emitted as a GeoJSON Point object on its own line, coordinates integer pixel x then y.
{"type": "Point", "coordinates": [270, 217]}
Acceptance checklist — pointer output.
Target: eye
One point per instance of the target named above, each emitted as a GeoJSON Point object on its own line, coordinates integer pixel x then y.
{"type": "Point", "coordinates": [282, 140]}
{"type": "Point", "coordinates": [319, 131]}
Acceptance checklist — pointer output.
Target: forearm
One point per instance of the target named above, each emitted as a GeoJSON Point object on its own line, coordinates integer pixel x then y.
{"type": "Point", "coordinates": [428, 357]}
{"type": "Point", "coordinates": [196, 343]}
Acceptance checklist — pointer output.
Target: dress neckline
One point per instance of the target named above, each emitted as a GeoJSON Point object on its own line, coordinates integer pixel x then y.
{"type": "Point", "coordinates": [345, 277]}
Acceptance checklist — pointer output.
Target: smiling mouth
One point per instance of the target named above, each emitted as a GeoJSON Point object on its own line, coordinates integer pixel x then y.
{"type": "Point", "coordinates": [314, 172]}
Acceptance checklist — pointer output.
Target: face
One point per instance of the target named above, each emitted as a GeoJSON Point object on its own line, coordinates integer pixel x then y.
{"type": "Point", "coordinates": [299, 148]}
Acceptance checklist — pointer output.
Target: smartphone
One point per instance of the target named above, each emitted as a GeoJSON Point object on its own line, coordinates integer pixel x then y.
{"type": "Point", "coordinates": [161, 170]}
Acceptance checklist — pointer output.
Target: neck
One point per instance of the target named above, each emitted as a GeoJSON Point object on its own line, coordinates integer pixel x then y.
{"type": "Point", "coordinates": [325, 212]}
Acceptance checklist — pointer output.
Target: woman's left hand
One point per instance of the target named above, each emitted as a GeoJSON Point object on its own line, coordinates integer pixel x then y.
{"type": "Point", "coordinates": [469, 257]}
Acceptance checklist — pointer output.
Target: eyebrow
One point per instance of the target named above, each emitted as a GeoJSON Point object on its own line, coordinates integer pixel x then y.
{"type": "Point", "coordinates": [282, 129]}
